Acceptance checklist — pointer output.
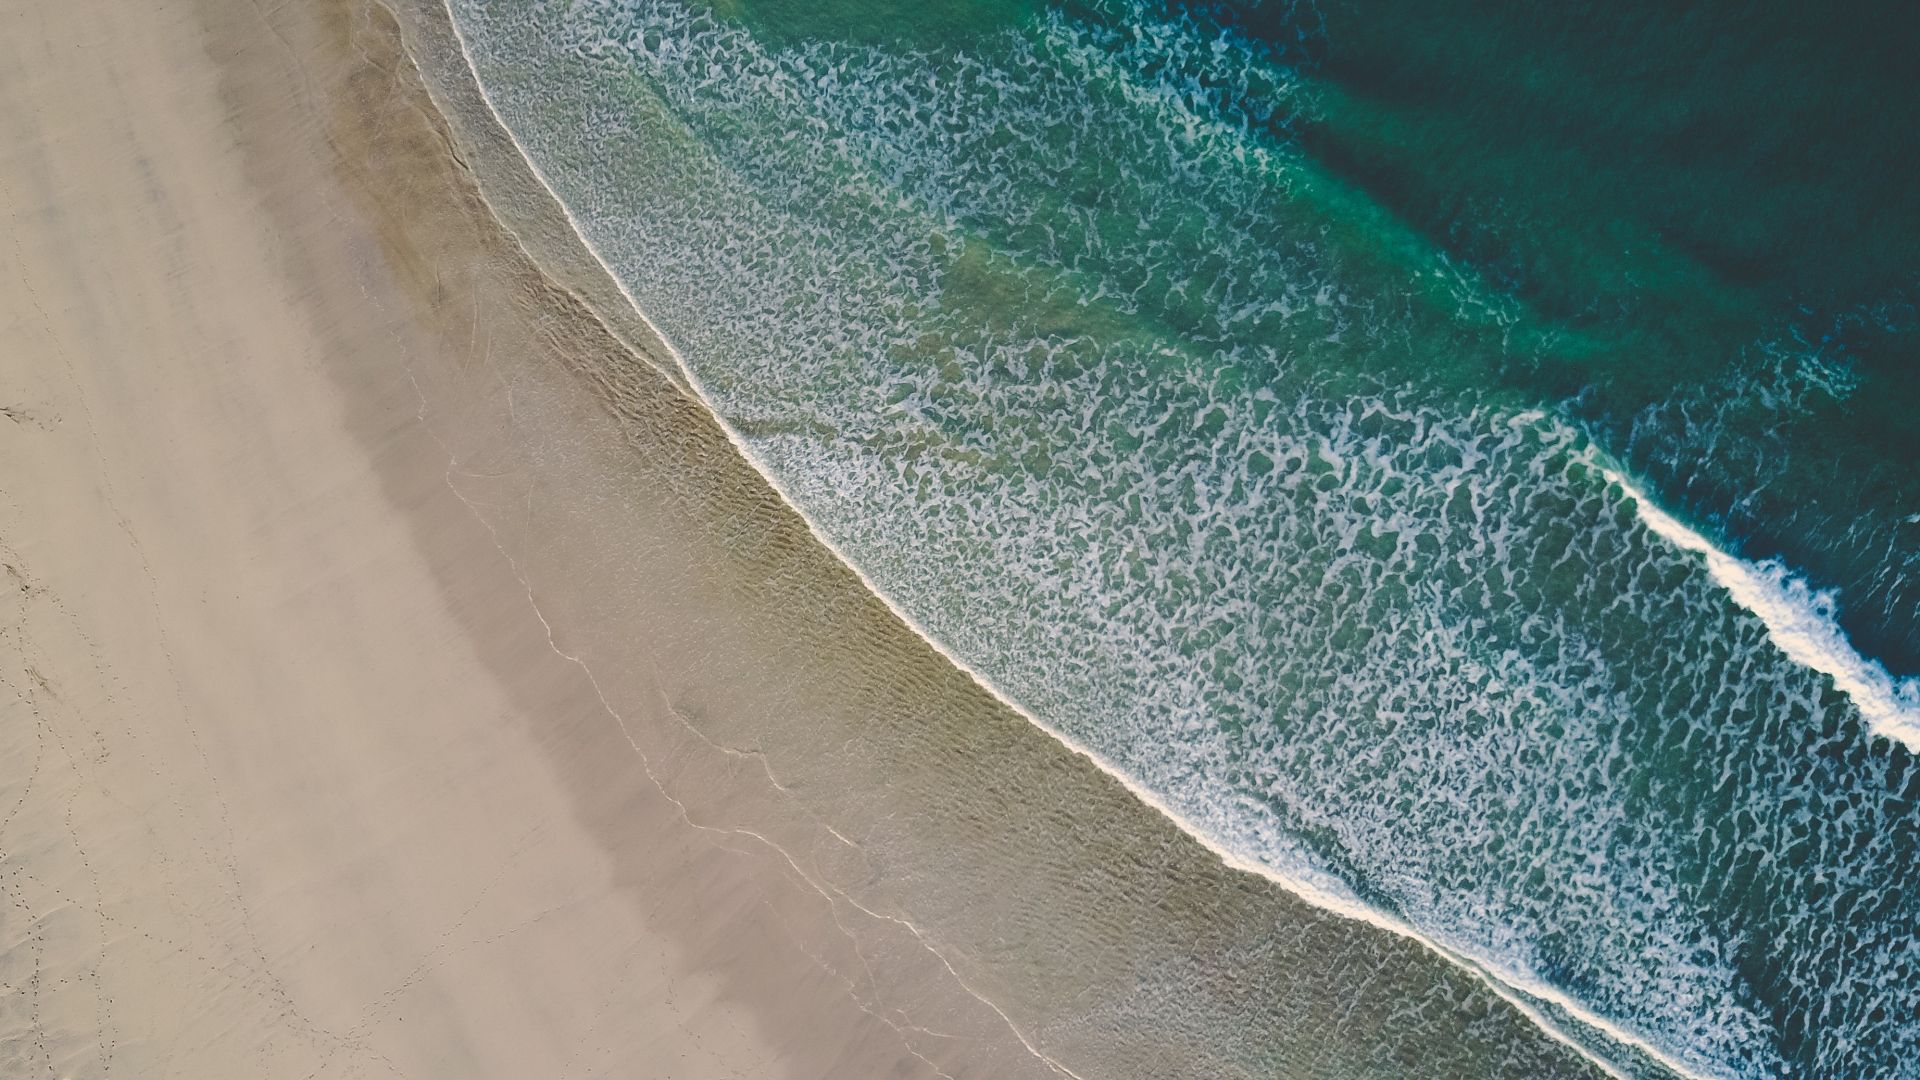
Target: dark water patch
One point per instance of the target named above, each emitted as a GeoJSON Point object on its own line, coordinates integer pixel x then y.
{"type": "Point", "coordinates": [1707, 191]}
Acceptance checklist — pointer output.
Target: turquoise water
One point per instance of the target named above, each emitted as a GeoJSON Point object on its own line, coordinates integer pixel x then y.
{"type": "Point", "coordinates": [1246, 391]}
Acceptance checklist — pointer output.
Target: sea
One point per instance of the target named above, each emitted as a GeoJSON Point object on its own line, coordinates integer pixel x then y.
{"type": "Point", "coordinates": [1461, 460]}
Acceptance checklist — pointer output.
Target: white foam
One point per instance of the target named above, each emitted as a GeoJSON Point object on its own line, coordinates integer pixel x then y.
{"type": "Point", "coordinates": [1519, 989]}
{"type": "Point", "coordinates": [1800, 621]}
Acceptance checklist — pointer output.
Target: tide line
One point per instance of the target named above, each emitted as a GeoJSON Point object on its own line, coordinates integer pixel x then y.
{"type": "Point", "coordinates": [1508, 985]}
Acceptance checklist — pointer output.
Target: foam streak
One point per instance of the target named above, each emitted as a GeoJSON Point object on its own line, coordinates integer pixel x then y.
{"type": "Point", "coordinates": [1800, 622]}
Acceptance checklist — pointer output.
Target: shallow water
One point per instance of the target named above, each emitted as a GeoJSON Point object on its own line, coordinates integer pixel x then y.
{"type": "Point", "coordinates": [1245, 393]}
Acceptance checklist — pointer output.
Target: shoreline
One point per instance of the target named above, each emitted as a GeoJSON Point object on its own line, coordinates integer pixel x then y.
{"type": "Point", "coordinates": [1507, 985]}
{"type": "Point", "coordinates": [296, 785]}
{"type": "Point", "coordinates": [730, 812]}
{"type": "Point", "coordinates": [342, 530]}
{"type": "Point", "coordinates": [644, 347]}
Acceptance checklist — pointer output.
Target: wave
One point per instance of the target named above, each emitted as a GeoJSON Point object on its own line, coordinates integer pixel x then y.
{"type": "Point", "coordinates": [1800, 620]}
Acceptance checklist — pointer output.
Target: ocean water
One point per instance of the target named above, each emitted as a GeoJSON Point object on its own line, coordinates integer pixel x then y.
{"type": "Point", "coordinates": [1459, 461]}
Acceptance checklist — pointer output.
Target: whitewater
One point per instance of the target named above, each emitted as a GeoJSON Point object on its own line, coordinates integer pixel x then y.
{"type": "Point", "coordinates": [1800, 621]}
{"type": "Point", "coordinates": [1390, 484]}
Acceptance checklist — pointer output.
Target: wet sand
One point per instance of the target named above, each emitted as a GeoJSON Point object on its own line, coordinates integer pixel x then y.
{"type": "Point", "coordinates": [399, 676]}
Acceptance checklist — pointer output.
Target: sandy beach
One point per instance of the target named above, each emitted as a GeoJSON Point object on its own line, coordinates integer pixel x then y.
{"type": "Point", "coordinates": [270, 808]}
{"type": "Point", "coordinates": [402, 678]}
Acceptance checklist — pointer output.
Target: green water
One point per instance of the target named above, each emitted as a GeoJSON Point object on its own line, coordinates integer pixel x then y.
{"type": "Point", "coordinates": [1238, 388]}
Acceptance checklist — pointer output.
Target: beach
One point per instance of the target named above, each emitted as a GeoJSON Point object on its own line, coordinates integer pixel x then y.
{"type": "Point", "coordinates": [296, 784]}
{"type": "Point", "coordinates": [405, 675]}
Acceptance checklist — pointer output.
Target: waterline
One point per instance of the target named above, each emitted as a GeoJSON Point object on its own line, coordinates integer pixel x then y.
{"type": "Point", "coordinates": [1508, 984]}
